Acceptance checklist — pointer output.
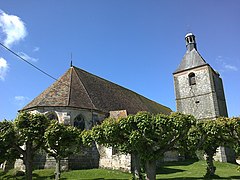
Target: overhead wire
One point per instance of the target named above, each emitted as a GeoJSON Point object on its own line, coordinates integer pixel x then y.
{"type": "Point", "coordinates": [34, 66]}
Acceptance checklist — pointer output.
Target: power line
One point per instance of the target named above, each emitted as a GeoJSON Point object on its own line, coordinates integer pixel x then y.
{"type": "Point", "coordinates": [20, 57]}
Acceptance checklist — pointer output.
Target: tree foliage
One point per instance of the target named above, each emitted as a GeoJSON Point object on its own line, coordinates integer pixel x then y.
{"type": "Point", "coordinates": [145, 135]}
{"type": "Point", "coordinates": [208, 135]}
{"type": "Point", "coordinates": [61, 141]}
{"type": "Point", "coordinates": [25, 136]}
{"type": "Point", "coordinates": [233, 127]}
{"type": "Point", "coordinates": [7, 137]}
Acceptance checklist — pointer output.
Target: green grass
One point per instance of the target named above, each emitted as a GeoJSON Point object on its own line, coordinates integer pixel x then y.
{"type": "Point", "coordinates": [171, 170]}
{"type": "Point", "coordinates": [196, 170]}
{"type": "Point", "coordinates": [94, 174]}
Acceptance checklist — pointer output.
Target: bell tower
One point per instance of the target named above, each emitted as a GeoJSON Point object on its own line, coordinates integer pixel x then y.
{"type": "Point", "coordinates": [198, 88]}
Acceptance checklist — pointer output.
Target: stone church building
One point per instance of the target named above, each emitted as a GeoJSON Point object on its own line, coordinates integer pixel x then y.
{"type": "Point", "coordinates": [82, 99]}
{"type": "Point", "coordinates": [199, 91]}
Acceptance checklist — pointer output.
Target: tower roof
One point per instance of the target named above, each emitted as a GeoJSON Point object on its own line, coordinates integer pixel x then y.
{"type": "Point", "coordinates": [192, 58]}
{"type": "Point", "coordinates": [80, 89]}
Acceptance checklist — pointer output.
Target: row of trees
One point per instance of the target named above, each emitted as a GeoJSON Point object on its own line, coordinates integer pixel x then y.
{"type": "Point", "coordinates": [145, 136]}
{"type": "Point", "coordinates": [21, 138]}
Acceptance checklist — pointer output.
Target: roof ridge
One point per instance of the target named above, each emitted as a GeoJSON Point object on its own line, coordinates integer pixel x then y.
{"type": "Point", "coordinates": [93, 106]}
{"type": "Point", "coordinates": [70, 84]}
{"type": "Point", "coordinates": [110, 82]}
{"type": "Point", "coordinates": [201, 57]}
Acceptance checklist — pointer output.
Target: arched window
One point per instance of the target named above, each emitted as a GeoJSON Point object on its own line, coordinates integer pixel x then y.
{"type": "Point", "coordinates": [79, 122]}
{"type": "Point", "coordinates": [192, 79]}
{"type": "Point", "coordinates": [52, 115]}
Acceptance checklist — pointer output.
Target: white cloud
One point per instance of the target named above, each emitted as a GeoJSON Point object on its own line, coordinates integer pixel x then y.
{"type": "Point", "coordinates": [3, 68]}
{"type": "Point", "coordinates": [27, 57]}
{"type": "Point", "coordinates": [36, 49]}
{"type": "Point", "coordinates": [225, 65]}
{"type": "Point", "coordinates": [230, 67]}
{"type": "Point", "coordinates": [20, 100]}
{"type": "Point", "coordinates": [12, 28]}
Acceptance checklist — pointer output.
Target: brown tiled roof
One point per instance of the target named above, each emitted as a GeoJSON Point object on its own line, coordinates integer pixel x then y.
{"type": "Point", "coordinates": [80, 89]}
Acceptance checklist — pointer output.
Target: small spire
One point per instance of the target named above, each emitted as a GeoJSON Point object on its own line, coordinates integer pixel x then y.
{"type": "Point", "coordinates": [190, 41]}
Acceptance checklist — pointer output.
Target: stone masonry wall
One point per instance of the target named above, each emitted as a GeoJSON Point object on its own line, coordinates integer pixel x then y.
{"type": "Point", "coordinates": [111, 160]}
{"type": "Point", "coordinates": [88, 158]}
{"type": "Point", "coordinates": [197, 99]}
{"type": "Point", "coordinates": [220, 96]}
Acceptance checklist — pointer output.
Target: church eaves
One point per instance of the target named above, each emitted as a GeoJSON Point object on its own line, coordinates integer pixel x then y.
{"type": "Point", "coordinates": [80, 89]}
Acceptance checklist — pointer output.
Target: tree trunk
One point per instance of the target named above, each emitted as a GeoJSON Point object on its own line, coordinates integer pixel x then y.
{"type": "Point", "coordinates": [28, 160]}
{"type": "Point", "coordinates": [29, 169]}
{"type": "Point", "coordinates": [150, 166]}
{"type": "Point", "coordinates": [57, 169]}
{"type": "Point", "coordinates": [136, 171]}
{"type": "Point", "coordinates": [210, 166]}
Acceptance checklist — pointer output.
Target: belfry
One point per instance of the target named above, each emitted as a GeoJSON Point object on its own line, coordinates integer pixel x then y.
{"type": "Point", "coordinates": [198, 87]}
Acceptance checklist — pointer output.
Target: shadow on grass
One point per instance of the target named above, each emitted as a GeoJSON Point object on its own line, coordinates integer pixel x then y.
{"type": "Point", "coordinates": [207, 178]}
{"type": "Point", "coordinates": [166, 170]}
{"type": "Point", "coordinates": [97, 179]}
{"type": "Point", "coordinates": [44, 177]}
{"type": "Point", "coordinates": [21, 177]}
{"type": "Point", "coordinates": [179, 163]}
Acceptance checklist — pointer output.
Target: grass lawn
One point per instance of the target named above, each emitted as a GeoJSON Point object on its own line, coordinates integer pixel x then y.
{"type": "Point", "coordinates": [196, 170]}
{"type": "Point", "coordinates": [176, 170]}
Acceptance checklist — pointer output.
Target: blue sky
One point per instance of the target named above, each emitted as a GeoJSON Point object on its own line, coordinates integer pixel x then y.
{"type": "Point", "coordinates": [135, 43]}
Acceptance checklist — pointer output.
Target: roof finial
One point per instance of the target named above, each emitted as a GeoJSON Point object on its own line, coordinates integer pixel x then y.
{"type": "Point", "coordinates": [190, 41]}
{"type": "Point", "coordinates": [71, 61]}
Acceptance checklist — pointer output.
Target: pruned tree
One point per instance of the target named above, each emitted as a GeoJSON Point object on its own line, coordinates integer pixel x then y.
{"type": "Point", "coordinates": [7, 134]}
{"type": "Point", "coordinates": [61, 141]}
{"type": "Point", "coordinates": [232, 126]}
{"type": "Point", "coordinates": [30, 129]}
{"type": "Point", "coordinates": [25, 135]}
{"type": "Point", "coordinates": [144, 135]}
{"type": "Point", "coordinates": [208, 135]}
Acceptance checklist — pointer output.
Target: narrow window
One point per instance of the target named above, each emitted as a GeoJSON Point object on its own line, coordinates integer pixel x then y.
{"type": "Point", "coordinates": [114, 151]}
{"type": "Point", "coordinates": [52, 116]}
{"type": "Point", "coordinates": [95, 119]}
{"type": "Point", "coordinates": [192, 79]}
{"type": "Point", "coordinates": [79, 122]}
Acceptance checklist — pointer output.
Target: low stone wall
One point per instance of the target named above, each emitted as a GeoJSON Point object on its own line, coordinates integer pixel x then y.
{"type": "Point", "coordinates": [171, 156]}
{"type": "Point", "coordinates": [111, 160]}
{"type": "Point", "coordinates": [87, 159]}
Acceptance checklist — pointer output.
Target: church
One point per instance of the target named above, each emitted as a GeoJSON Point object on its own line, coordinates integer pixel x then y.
{"type": "Point", "coordinates": [82, 99]}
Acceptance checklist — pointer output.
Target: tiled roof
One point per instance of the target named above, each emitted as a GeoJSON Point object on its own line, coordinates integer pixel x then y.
{"type": "Point", "coordinates": [80, 89]}
{"type": "Point", "coordinates": [190, 60]}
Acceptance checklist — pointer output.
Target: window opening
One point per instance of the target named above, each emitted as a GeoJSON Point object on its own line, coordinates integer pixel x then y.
{"type": "Point", "coordinates": [79, 122]}
{"type": "Point", "coordinates": [192, 79]}
{"type": "Point", "coordinates": [52, 116]}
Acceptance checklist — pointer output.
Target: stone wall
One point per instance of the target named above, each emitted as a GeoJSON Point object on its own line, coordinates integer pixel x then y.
{"type": "Point", "coordinates": [200, 99]}
{"type": "Point", "coordinates": [67, 115]}
{"type": "Point", "coordinates": [87, 158]}
{"type": "Point", "coordinates": [113, 160]}
{"type": "Point", "coordinates": [220, 96]}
